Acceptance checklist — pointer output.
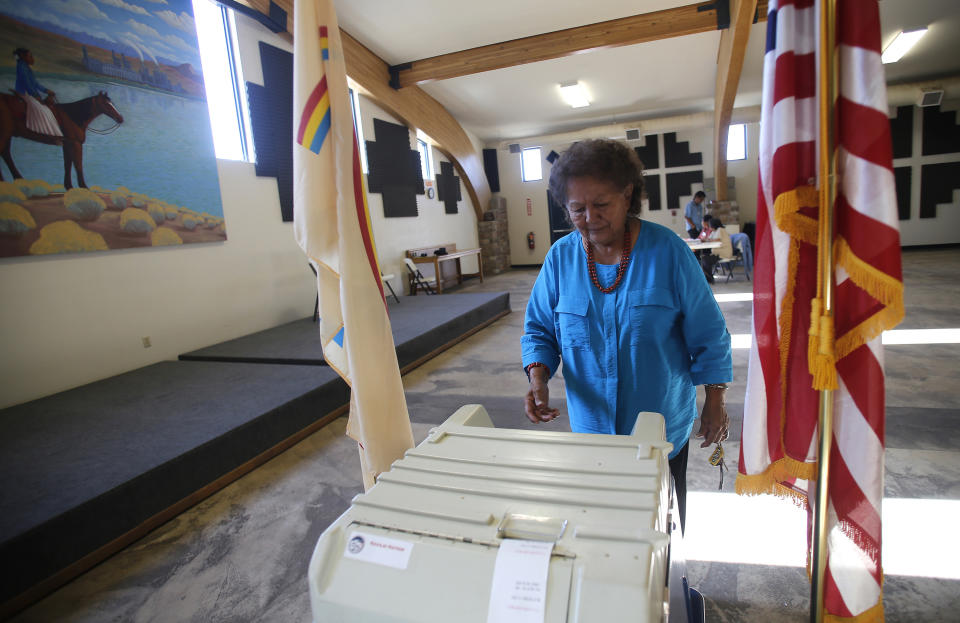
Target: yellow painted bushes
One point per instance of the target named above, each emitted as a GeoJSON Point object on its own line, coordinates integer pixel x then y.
{"type": "Point", "coordinates": [67, 237]}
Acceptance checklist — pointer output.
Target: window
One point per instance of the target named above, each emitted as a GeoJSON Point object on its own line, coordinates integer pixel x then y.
{"type": "Point", "coordinates": [737, 142]}
{"type": "Point", "coordinates": [530, 169]}
{"type": "Point", "coordinates": [226, 101]}
{"type": "Point", "coordinates": [424, 149]}
{"type": "Point", "coordinates": [358, 128]}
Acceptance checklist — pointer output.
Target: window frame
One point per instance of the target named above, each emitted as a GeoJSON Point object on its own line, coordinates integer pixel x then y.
{"type": "Point", "coordinates": [523, 167]}
{"type": "Point", "coordinates": [358, 128]}
{"type": "Point", "coordinates": [743, 142]}
{"type": "Point", "coordinates": [426, 162]}
{"type": "Point", "coordinates": [241, 129]}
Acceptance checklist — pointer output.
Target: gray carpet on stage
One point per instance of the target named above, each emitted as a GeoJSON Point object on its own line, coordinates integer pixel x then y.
{"type": "Point", "coordinates": [298, 342]}
{"type": "Point", "coordinates": [83, 467]}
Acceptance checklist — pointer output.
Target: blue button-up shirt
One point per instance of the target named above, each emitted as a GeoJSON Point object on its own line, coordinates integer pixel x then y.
{"type": "Point", "coordinates": [694, 212]}
{"type": "Point", "coordinates": [643, 347]}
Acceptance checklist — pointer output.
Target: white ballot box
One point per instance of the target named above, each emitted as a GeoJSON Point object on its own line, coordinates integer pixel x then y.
{"type": "Point", "coordinates": [479, 524]}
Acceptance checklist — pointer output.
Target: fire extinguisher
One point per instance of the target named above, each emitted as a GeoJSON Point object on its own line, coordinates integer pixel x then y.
{"type": "Point", "coordinates": [531, 241]}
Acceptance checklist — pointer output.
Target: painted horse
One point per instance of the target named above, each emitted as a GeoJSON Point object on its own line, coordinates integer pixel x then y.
{"type": "Point", "coordinates": [73, 117]}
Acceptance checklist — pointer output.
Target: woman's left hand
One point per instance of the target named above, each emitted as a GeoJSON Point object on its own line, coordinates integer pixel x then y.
{"type": "Point", "coordinates": [714, 422]}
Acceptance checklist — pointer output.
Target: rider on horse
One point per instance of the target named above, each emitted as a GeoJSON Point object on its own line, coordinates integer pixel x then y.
{"type": "Point", "coordinates": [41, 123]}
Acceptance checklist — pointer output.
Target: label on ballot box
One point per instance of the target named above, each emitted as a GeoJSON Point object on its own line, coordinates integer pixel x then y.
{"type": "Point", "coordinates": [519, 589]}
{"type": "Point", "coordinates": [378, 550]}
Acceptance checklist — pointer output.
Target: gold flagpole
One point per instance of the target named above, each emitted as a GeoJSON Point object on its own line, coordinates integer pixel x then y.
{"type": "Point", "coordinates": [828, 193]}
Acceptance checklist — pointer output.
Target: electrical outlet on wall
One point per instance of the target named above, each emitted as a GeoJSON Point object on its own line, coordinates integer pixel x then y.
{"type": "Point", "coordinates": [146, 342]}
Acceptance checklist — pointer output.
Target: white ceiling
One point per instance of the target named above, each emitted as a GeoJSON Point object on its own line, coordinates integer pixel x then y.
{"type": "Point", "coordinates": [647, 80]}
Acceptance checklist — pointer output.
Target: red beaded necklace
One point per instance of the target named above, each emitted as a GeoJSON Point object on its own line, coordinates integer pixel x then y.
{"type": "Point", "coordinates": [621, 269]}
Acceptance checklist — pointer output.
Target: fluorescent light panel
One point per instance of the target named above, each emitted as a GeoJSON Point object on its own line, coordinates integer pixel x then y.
{"type": "Point", "coordinates": [574, 95]}
{"type": "Point", "coordinates": [900, 45]}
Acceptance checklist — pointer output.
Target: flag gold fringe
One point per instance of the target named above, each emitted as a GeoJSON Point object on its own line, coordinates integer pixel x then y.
{"type": "Point", "coordinates": [873, 614]}
{"type": "Point", "coordinates": [786, 211]}
{"type": "Point", "coordinates": [769, 481]}
{"type": "Point", "coordinates": [879, 285]}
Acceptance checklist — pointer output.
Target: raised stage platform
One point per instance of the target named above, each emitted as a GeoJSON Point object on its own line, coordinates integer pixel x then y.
{"type": "Point", "coordinates": [87, 471]}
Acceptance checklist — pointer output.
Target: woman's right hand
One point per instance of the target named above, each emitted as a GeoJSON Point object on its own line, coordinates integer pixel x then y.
{"type": "Point", "coordinates": [537, 404]}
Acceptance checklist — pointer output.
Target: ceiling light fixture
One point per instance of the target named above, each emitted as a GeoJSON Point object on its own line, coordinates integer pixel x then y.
{"type": "Point", "coordinates": [574, 94]}
{"type": "Point", "coordinates": [900, 45]}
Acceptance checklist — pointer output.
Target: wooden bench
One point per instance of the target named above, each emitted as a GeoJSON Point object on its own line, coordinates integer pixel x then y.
{"type": "Point", "coordinates": [446, 267]}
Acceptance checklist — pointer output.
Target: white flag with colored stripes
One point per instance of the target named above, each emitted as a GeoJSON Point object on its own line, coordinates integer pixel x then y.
{"type": "Point", "coordinates": [332, 226]}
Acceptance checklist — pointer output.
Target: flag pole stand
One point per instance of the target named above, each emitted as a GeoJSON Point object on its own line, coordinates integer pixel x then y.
{"type": "Point", "coordinates": [828, 193]}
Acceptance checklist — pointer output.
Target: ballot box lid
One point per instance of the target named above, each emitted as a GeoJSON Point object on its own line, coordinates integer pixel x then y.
{"type": "Point", "coordinates": [440, 514]}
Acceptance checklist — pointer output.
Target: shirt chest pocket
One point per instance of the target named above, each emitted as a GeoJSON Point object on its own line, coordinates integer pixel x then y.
{"type": "Point", "coordinates": [572, 321]}
{"type": "Point", "coordinates": [652, 315]}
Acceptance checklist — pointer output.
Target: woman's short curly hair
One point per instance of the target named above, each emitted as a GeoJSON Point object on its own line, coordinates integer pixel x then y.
{"type": "Point", "coordinates": [602, 159]}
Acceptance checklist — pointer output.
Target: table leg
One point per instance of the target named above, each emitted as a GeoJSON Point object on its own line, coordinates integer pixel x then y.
{"type": "Point", "coordinates": [437, 275]}
{"type": "Point", "coordinates": [480, 265]}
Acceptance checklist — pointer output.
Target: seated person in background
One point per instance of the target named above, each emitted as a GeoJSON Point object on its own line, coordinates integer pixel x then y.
{"type": "Point", "coordinates": [694, 213]}
{"type": "Point", "coordinates": [706, 229]}
{"type": "Point", "coordinates": [710, 257]}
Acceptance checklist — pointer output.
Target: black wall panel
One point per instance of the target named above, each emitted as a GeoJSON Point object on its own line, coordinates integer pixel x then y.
{"type": "Point", "coordinates": [904, 180]}
{"type": "Point", "coordinates": [491, 169]}
{"type": "Point", "coordinates": [679, 184]}
{"type": "Point", "coordinates": [678, 154]}
{"type": "Point", "coordinates": [651, 187]}
{"type": "Point", "coordinates": [394, 169]}
{"type": "Point", "coordinates": [901, 130]}
{"type": "Point", "coordinates": [649, 154]}
{"type": "Point", "coordinates": [272, 122]}
{"type": "Point", "coordinates": [941, 134]}
{"type": "Point", "coordinates": [937, 183]}
{"type": "Point", "coordinates": [448, 188]}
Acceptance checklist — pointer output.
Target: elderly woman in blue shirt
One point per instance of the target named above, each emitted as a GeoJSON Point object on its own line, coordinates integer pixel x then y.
{"type": "Point", "coordinates": [624, 304]}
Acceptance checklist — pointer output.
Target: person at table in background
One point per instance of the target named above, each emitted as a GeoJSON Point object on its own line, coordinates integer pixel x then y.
{"type": "Point", "coordinates": [710, 257]}
{"type": "Point", "coordinates": [705, 229]}
{"type": "Point", "coordinates": [694, 213]}
{"type": "Point", "coordinates": [623, 305]}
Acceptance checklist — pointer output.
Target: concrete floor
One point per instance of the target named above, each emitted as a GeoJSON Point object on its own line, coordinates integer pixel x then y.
{"type": "Point", "coordinates": [241, 555]}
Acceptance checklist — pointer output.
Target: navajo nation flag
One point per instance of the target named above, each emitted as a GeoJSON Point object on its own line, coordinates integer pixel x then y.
{"type": "Point", "coordinates": [332, 226]}
{"type": "Point", "coordinates": [795, 352]}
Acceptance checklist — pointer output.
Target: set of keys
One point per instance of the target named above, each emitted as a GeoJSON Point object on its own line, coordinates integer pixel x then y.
{"type": "Point", "coordinates": [716, 459]}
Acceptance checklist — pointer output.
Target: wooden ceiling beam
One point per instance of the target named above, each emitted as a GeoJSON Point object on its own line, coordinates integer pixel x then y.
{"type": "Point", "coordinates": [733, 49]}
{"type": "Point", "coordinates": [685, 20]}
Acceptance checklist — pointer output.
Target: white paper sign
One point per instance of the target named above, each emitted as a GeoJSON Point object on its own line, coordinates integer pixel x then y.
{"type": "Point", "coordinates": [519, 590]}
{"type": "Point", "coordinates": [378, 550]}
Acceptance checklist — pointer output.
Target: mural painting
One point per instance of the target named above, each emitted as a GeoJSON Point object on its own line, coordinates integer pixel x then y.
{"type": "Point", "coordinates": [105, 137]}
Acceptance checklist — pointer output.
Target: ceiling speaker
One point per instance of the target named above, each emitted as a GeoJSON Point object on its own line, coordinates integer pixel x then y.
{"type": "Point", "coordinates": [633, 135]}
{"type": "Point", "coordinates": [514, 148]}
{"type": "Point", "coordinates": [930, 97]}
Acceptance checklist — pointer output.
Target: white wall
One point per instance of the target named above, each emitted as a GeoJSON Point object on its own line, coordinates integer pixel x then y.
{"type": "Point", "coordinates": [700, 139]}
{"type": "Point", "coordinates": [431, 227]}
{"type": "Point", "coordinates": [72, 319]}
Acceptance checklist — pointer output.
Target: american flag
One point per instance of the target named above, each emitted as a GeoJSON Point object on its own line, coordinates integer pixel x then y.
{"type": "Point", "coordinates": [791, 350]}
{"type": "Point", "coordinates": [331, 223]}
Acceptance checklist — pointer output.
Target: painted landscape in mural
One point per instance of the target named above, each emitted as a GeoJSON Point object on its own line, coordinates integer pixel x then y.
{"type": "Point", "coordinates": [104, 132]}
